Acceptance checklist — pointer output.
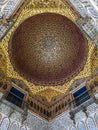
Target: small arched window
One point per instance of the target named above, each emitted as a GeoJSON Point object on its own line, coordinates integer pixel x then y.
{"type": "Point", "coordinates": [38, 107]}
{"type": "Point", "coordinates": [62, 105]}
{"type": "Point", "coordinates": [44, 112]}
{"type": "Point", "coordinates": [34, 105]}
{"type": "Point", "coordinates": [59, 107]}
{"type": "Point", "coordinates": [56, 109]}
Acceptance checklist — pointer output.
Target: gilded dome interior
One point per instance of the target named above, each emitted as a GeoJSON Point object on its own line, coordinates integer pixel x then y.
{"type": "Point", "coordinates": [48, 49]}
{"type": "Point", "coordinates": [36, 8]}
{"type": "Point", "coordinates": [48, 64]}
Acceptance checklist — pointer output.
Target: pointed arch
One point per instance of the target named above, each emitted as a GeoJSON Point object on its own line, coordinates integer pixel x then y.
{"type": "Point", "coordinates": [2, 2]}
{"type": "Point", "coordinates": [14, 126]}
{"type": "Point", "coordinates": [90, 123]}
{"type": "Point", "coordinates": [5, 124]}
{"type": "Point", "coordinates": [73, 128]}
{"type": "Point", "coordinates": [23, 128]}
{"type": "Point", "coordinates": [96, 118]}
{"type": "Point", "coordinates": [81, 126]}
{"type": "Point", "coordinates": [0, 118]}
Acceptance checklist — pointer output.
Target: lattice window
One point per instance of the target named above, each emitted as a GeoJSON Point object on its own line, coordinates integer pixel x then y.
{"type": "Point", "coordinates": [15, 96]}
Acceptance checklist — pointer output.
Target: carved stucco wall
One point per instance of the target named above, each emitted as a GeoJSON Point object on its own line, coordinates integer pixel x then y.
{"type": "Point", "coordinates": [62, 122]}
{"type": "Point", "coordinates": [88, 8]}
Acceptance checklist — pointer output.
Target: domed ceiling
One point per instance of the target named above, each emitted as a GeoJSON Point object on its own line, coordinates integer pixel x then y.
{"type": "Point", "coordinates": [48, 49]}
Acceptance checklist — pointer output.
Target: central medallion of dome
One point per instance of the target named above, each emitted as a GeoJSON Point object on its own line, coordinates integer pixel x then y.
{"type": "Point", "coordinates": [48, 49]}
